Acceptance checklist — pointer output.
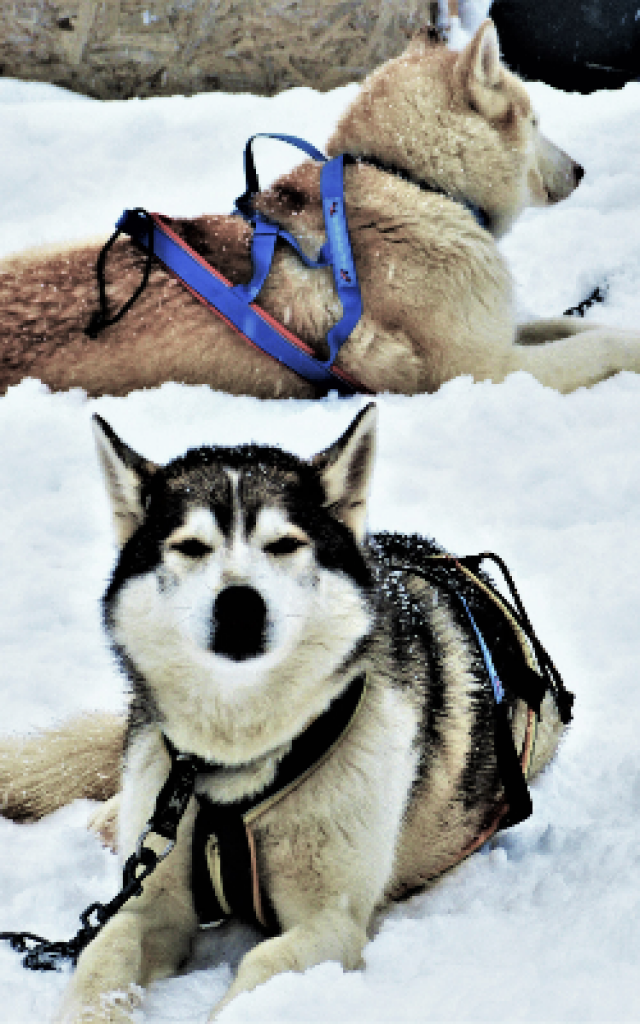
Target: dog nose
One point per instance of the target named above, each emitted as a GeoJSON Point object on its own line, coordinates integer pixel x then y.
{"type": "Point", "coordinates": [239, 623]}
{"type": "Point", "coordinates": [578, 173]}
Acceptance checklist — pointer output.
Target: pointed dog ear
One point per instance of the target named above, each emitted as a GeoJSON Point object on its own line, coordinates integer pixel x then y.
{"type": "Point", "coordinates": [479, 68]}
{"type": "Point", "coordinates": [345, 471]}
{"type": "Point", "coordinates": [125, 472]}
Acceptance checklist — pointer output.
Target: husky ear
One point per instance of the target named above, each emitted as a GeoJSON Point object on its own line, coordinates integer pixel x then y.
{"type": "Point", "coordinates": [345, 471]}
{"type": "Point", "coordinates": [124, 472]}
{"type": "Point", "coordinates": [479, 67]}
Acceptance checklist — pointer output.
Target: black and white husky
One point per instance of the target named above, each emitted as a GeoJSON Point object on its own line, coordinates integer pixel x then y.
{"type": "Point", "coordinates": [330, 689]}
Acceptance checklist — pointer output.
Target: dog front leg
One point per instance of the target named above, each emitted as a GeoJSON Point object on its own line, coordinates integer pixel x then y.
{"type": "Point", "coordinates": [148, 939]}
{"type": "Point", "coordinates": [327, 935]}
{"type": "Point", "coordinates": [112, 971]}
{"type": "Point", "coordinates": [106, 984]}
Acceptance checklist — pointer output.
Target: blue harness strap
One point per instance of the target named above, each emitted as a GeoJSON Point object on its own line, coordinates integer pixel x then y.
{"type": "Point", "coordinates": [498, 691]}
{"type": "Point", "coordinates": [336, 252]}
{"type": "Point", "coordinates": [243, 203]}
{"type": "Point", "coordinates": [340, 254]}
{"type": "Point", "coordinates": [206, 284]}
{"type": "Point", "coordinates": [235, 304]}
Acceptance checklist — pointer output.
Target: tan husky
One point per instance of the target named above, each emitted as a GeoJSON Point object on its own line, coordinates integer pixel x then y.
{"type": "Point", "coordinates": [260, 627]}
{"type": "Point", "coordinates": [437, 296]}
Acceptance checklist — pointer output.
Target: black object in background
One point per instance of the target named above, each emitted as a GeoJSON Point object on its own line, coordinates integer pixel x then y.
{"type": "Point", "coordinates": [574, 45]}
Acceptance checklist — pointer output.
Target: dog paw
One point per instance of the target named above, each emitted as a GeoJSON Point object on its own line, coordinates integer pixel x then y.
{"type": "Point", "coordinates": [121, 1007]}
{"type": "Point", "coordinates": [104, 823]}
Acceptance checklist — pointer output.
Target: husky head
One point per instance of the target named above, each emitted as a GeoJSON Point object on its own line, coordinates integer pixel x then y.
{"type": "Point", "coordinates": [241, 594]}
{"type": "Point", "coordinates": [461, 122]}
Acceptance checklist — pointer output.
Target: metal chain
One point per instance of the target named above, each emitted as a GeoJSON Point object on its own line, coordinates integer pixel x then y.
{"type": "Point", "coordinates": [42, 955]}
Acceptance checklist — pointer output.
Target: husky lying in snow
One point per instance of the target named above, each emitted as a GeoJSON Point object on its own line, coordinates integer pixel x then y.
{"type": "Point", "coordinates": [437, 296]}
{"type": "Point", "coordinates": [246, 606]}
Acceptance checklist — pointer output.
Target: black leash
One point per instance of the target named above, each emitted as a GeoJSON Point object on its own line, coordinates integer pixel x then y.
{"type": "Point", "coordinates": [42, 955]}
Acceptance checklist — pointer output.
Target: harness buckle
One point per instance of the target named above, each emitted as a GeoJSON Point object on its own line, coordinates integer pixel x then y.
{"type": "Point", "coordinates": [140, 845]}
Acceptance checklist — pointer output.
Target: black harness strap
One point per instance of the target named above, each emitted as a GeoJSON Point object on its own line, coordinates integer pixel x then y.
{"type": "Point", "coordinates": [221, 840]}
{"type": "Point", "coordinates": [228, 826]}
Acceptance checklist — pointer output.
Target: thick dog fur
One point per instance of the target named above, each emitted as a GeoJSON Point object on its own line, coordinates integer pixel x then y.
{"type": "Point", "coordinates": [408, 788]}
{"type": "Point", "coordinates": [40, 774]}
{"type": "Point", "coordinates": [436, 293]}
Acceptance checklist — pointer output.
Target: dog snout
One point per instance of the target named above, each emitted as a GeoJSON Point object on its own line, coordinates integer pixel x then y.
{"type": "Point", "coordinates": [560, 173]}
{"type": "Point", "coordinates": [239, 623]}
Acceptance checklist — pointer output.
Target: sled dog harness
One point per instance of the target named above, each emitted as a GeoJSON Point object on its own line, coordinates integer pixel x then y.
{"type": "Point", "coordinates": [236, 305]}
{"type": "Point", "coordinates": [225, 869]}
{"type": "Point", "coordinates": [536, 677]}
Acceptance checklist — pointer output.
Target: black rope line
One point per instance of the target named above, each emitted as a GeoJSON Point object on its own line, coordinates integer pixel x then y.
{"type": "Point", "coordinates": [564, 698]}
{"type": "Point", "coordinates": [100, 318]}
{"type": "Point", "coordinates": [599, 294]}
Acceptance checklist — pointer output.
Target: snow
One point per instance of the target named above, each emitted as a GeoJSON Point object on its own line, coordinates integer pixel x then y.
{"type": "Point", "coordinates": [544, 925]}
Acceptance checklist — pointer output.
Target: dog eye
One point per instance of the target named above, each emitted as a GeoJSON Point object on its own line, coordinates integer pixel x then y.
{"type": "Point", "coordinates": [284, 546]}
{"type": "Point", "coordinates": [192, 548]}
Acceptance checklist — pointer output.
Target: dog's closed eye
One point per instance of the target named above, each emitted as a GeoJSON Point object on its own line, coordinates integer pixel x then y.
{"type": "Point", "coordinates": [284, 546]}
{"type": "Point", "coordinates": [191, 547]}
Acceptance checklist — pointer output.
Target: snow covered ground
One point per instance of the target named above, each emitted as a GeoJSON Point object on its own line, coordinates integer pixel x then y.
{"type": "Point", "coordinates": [543, 926]}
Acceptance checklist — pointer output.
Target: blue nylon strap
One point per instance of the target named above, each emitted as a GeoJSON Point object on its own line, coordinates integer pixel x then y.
{"type": "Point", "coordinates": [344, 268]}
{"type": "Point", "coordinates": [233, 303]}
{"type": "Point", "coordinates": [265, 232]}
{"type": "Point", "coordinates": [336, 251]}
{"type": "Point", "coordinates": [243, 204]}
{"type": "Point", "coordinates": [251, 177]}
{"type": "Point", "coordinates": [230, 303]}
{"type": "Point", "coordinates": [263, 246]}
{"type": "Point", "coordinates": [486, 654]}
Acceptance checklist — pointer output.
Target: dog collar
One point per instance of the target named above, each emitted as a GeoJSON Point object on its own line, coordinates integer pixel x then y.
{"type": "Point", "coordinates": [225, 875]}
{"type": "Point", "coordinates": [481, 216]}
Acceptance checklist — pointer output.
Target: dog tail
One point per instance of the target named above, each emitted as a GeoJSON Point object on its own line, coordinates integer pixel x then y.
{"type": "Point", "coordinates": [40, 773]}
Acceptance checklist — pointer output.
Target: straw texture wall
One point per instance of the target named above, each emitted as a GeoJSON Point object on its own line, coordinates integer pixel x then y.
{"type": "Point", "coordinates": [120, 48]}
